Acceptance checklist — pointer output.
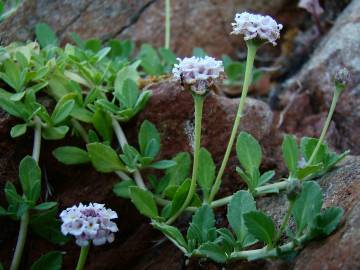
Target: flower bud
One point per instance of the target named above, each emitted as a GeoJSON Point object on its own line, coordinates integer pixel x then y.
{"type": "Point", "coordinates": [342, 78]}
{"type": "Point", "coordinates": [293, 189]}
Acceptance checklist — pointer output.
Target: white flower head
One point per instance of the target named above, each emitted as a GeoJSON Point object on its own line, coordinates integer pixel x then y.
{"type": "Point", "coordinates": [342, 76]}
{"type": "Point", "coordinates": [256, 26]}
{"type": "Point", "coordinates": [198, 73]}
{"type": "Point", "coordinates": [311, 6]}
{"type": "Point", "coordinates": [89, 223]}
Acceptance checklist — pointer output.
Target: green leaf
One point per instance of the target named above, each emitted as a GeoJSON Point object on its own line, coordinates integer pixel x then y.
{"type": "Point", "coordinates": [3, 211]}
{"type": "Point", "coordinates": [206, 173]}
{"type": "Point", "coordinates": [248, 151]}
{"type": "Point", "coordinates": [150, 60]}
{"type": "Point", "coordinates": [308, 170]}
{"type": "Point", "coordinates": [163, 164]}
{"type": "Point", "coordinates": [45, 35]}
{"type": "Point", "coordinates": [307, 205]}
{"type": "Point", "coordinates": [204, 221]}
{"type": "Point", "coordinates": [18, 130]}
{"type": "Point", "coordinates": [308, 146]}
{"type": "Point", "coordinates": [290, 153]}
{"type": "Point", "coordinates": [13, 198]}
{"type": "Point", "coordinates": [266, 177]}
{"type": "Point", "coordinates": [70, 155]}
{"type": "Point", "coordinates": [325, 223]}
{"type": "Point", "coordinates": [173, 234]}
{"type": "Point", "coordinates": [260, 226]}
{"type": "Point", "coordinates": [144, 202]}
{"type": "Point", "coordinates": [102, 123]}
{"type": "Point", "coordinates": [30, 178]}
{"type": "Point", "coordinates": [62, 110]}
{"type": "Point", "coordinates": [149, 139]}
{"type": "Point", "coordinates": [104, 158]}
{"type": "Point", "coordinates": [121, 189]}
{"type": "Point", "coordinates": [45, 206]}
{"type": "Point", "coordinates": [128, 94]}
{"type": "Point", "coordinates": [180, 196]}
{"type": "Point", "coordinates": [241, 203]}
{"type": "Point", "coordinates": [15, 108]}
{"type": "Point", "coordinates": [181, 170]}
{"type": "Point", "coordinates": [50, 261]}
{"type": "Point", "coordinates": [93, 45]}
{"type": "Point", "coordinates": [214, 252]}
{"type": "Point", "coordinates": [54, 133]}
{"type": "Point", "coordinates": [127, 72]}
{"type": "Point", "coordinates": [46, 225]}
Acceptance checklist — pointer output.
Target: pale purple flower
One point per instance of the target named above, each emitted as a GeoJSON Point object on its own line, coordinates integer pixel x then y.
{"type": "Point", "coordinates": [256, 26]}
{"type": "Point", "coordinates": [311, 6]}
{"type": "Point", "coordinates": [89, 223]}
{"type": "Point", "coordinates": [198, 73]}
{"type": "Point", "coordinates": [342, 76]}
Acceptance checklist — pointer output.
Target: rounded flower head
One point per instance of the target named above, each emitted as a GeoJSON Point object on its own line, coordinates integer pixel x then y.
{"type": "Point", "coordinates": [89, 223]}
{"type": "Point", "coordinates": [342, 76]}
{"type": "Point", "coordinates": [256, 26]}
{"type": "Point", "coordinates": [198, 73]}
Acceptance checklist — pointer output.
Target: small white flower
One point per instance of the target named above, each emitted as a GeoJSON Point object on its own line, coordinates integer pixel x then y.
{"type": "Point", "coordinates": [89, 223]}
{"type": "Point", "coordinates": [198, 73]}
{"type": "Point", "coordinates": [342, 76]}
{"type": "Point", "coordinates": [311, 6]}
{"type": "Point", "coordinates": [256, 26]}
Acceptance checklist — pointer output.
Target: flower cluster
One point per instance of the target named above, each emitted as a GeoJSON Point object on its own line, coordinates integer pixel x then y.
{"type": "Point", "coordinates": [89, 223]}
{"type": "Point", "coordinates": [256, 26]}
{"type": "Point", "coordinates": [198, 73]}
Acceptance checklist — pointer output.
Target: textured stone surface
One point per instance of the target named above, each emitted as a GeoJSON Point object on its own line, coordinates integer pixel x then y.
{"type": "Point", "coordinates": [314, 84]}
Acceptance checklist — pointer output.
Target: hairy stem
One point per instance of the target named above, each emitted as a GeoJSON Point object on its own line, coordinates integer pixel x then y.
{"type": "Point", "coordinates": [120, 135]}
{"type": "Point", "coordinates": [167, 23]}
{"type": "Point", "coordinates": [82, 258]}
{"type": "Point", "coordinates": [25, 218]}
{"type": "Point", "coordinates": [326, 127]}
{"type": "Point", "coordinates": [247, 80]}
{"type": "Point", "coordinates": [267, 252]}
{"type": "Point", "coordinates": [199, 102]}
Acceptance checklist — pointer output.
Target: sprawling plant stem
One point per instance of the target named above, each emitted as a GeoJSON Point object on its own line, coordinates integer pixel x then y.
{"type": "Point", "coordinates": [167, 23]}
{"type": "Point", "coordinates": [326, 126]}
{"type": "Point", "coordinates": [25, 218]}
{"type": "Point", "coordinates": [199, 102]}
{"type": "Point", "coordinates": [285, 222]}
{"type": "Point", "coordinates": [247, 80]}
{"type": "Point", "coordinates": [120, 135]}
{"type": "Point", "coordinates": [82, 258]}
{"type": "Point", "coordinates": [267, 252]}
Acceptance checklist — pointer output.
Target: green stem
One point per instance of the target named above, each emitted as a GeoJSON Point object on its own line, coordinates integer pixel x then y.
{"type": "Point", "coordinates": [21, 241]}
{"type": "Point", "coordinates": [199, 102]}
{"type": "Point", "coordinates": [267, 252]}
{"type": "Point", "coordinates": [247, 80]}
{"type": "Point", "coordinates": [25, 218]}
{"type": "Point", "coordinates": [120, 135]}
{"type": "Point", "coordinates": [326, 127]}
{"type": "Point", "coordinates": [167, 23]}
{"type": "Point", "coordinates": [80, 129]}
{"type": "Point", "coordinates": [285, 222]}
{"type": "Point", "coordinates": [82, 258]}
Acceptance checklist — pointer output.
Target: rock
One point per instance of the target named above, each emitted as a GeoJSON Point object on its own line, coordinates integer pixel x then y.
{"type": "Point", "coordinates": [171, 110]}
{"type": "Point", "coordinates": [313, 86]}
{"type": "Point", "coordinates": [204, 23]}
